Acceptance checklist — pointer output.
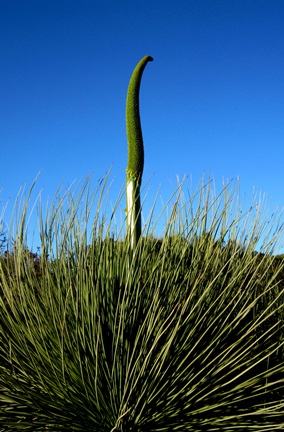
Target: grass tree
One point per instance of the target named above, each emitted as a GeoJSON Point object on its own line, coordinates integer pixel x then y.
{"type": "Point", "coordinates": [191, 339]}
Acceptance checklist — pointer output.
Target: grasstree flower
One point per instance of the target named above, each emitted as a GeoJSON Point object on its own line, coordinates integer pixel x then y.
{"type": "Point", "coordinates": [135, 164]}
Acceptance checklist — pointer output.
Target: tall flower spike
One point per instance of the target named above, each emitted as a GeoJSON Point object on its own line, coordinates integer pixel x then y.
{"type": "Point", "coordinates": [135, 163]}
{"type": "Point", "coordinates": [133, 124]}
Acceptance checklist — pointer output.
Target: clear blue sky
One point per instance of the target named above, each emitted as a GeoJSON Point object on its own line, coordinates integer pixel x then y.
{"type": "Point", "coordinates": [212, 102]}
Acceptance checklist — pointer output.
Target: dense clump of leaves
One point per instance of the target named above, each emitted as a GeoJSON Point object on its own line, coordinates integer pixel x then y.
{"type": "Point", "coordinates": [184, 333]}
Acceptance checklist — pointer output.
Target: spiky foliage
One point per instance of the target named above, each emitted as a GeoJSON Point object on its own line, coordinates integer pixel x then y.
{"type": "Point", "coordinates": [185, 336]}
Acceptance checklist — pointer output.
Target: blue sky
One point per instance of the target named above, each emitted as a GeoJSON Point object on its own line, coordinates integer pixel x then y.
{"type": "Point", "coordinates": [212, 102]}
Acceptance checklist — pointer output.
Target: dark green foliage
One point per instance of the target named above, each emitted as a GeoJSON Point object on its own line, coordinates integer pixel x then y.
{"type": "Point", "coordinates": [183, 333]}
{"type": "Point", "coordinates": [185, 339]}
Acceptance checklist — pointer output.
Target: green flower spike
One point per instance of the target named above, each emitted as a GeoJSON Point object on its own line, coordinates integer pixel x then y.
{"type": "Point", "coordinates": [135, 164]}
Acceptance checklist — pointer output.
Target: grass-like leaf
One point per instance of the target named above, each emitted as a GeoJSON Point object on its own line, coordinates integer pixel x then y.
{"type": "Point", "coordinates": [185, 333]}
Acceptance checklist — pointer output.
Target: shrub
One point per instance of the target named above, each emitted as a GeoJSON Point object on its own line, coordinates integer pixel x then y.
{"type": "Point", "coordinates": [184, 333]}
